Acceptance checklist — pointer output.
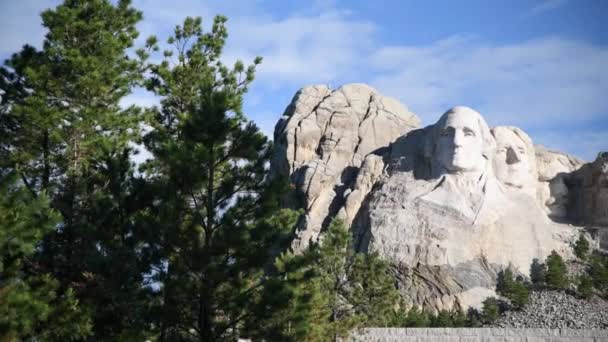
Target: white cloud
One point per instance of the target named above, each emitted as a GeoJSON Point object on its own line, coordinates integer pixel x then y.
{"type": "Point", "coordinates": [302, 49]}
{"type": "Point", "coordinates": [548, 80]}
{"type": "Point", "coordinates": [547, 5]}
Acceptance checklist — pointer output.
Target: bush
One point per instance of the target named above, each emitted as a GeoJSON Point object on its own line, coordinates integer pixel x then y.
{"type": "Point", "coordinates": [557, 273]}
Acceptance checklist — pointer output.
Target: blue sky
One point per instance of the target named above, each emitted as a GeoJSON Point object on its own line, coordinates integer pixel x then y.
{"type": "Point", "coordinates": [540, 65]}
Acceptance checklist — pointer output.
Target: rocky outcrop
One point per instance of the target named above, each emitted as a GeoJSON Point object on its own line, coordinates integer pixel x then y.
{"type": "Point", "coordinates": [554, 175]}
{"type": "Point", "coordinates": [588, 200]}
{"type": "Point", "coordinates": [322, 141]}
{"type": "Point", "coordinates": [445, 220]}
{"type": "Point", "coordinates": [449, 205]}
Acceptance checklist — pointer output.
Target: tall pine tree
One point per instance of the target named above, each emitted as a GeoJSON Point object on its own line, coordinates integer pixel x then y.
{"type": "Point", "coordinates": [64, 133]}
{"type": "Point", "coordinates": [215, 227]}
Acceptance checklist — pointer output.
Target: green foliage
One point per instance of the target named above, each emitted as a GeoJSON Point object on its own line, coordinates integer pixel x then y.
{"type": "Point", "coordinates": [520, 295]}
{"type": "Point", "coordinates": [474, 318]}
{"type": "Point", "coordinates": [417, 318]}
{"type": "Point", "coordinates": [505, 282]}
{"type": "Point", "coordinates": [537, 273]}
{"type": "Point", "coordinates": [490, 310]}
{"type": "Point", "coordinates": [556, 276]}
{"type": "Point", "coordinates": [330, 290]}
{"type": "Point", "coordinates": [30, 305]}
{"type": "Point", "coordinates": [581, 247]}
{"type": "Point", "coordinates": [218, 218]}
{"type": "Point", "coordinates": [64, 133]}
{"type": "Point", "coordinates": [599, 273]}
{"type": "Point", "coordinates": [515, 290]}
{"type": "Point", "coordinates": [585, 286]}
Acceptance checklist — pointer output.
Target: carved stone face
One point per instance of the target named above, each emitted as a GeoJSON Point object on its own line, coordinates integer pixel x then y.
{"type": "Point", "coordinates": [512, 159]}
{"type": "Point", "coordinates": [460, 143]}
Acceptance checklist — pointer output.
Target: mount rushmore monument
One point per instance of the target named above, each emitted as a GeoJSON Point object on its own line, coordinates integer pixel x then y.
{"type": "Point", "coordinates": [448, 205]}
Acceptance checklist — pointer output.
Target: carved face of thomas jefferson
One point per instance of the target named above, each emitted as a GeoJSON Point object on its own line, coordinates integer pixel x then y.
{"type": "Point", "coordinates": [514, 158]}
{"type": "Point", "coordinates": [460, 141]}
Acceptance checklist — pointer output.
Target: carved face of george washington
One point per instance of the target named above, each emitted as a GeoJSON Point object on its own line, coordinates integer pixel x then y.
{"type": "Point", "coordinates": [460, 141]}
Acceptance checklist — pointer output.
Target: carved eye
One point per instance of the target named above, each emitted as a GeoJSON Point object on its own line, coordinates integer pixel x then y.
{"type": "Point", "coordinates": [446, 132]}
{"type": "Point", "coordinates": [502, 150]}
{"type": "Point", "coordinates": [469, 132]}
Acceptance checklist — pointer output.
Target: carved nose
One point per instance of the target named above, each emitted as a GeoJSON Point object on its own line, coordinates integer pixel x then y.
{"type": "Point", "coordinates": [512, 156]}
{"type": "Point", "coordinates": [458, 136]}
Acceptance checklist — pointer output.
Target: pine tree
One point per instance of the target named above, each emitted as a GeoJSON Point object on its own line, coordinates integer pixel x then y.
{"type": "Point", "coordinates": [31, 305]}
{"type": "Point", "coordinates": [585, 286]}
{"type": "Point", "coordinates": [215, 232]}
{"type": "Point", "coordinates": [490, 310]}
{"type": "Point", "coordinates": [474, 318]}
{"type": "Point", "coordinates": [581, 247]}
{"type": "Point", "coordinates": [65, 134]}
{"type": "Point", "coordinates": [537, 273]}
{"type": "Point", "coordinates": [343, 290]}
{"type": "Point", "coordinates": [505, 282]}
{"type": "Point", "coordinates": [556, 276]}
{"type": "Point", "coordinates": [442, 319]}
{"type": "Point", "coordinates": [520, 295]}
{"type": "Point", "coordinates": [417, 318]}
{"type": "Point", "coordinates": [599, 273]}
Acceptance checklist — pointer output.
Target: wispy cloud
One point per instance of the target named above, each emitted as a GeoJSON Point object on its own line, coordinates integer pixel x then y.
{"type": "Point", "coordinates": [543, 81]}
{"type": "Point", "coordinates": [547, 5]}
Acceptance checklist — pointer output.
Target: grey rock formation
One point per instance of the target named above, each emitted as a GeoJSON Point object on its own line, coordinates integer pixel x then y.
{"type": "Point", "coordinates": [588, 200]}
{"type": "Point", "coordinates": [449, 205]}
{"type": "Point", "coordinates": [322, 141]}
{"type": "Point", "coordinates": [554, 173]}
{"type": "Point", "coordinates": [446, 222]}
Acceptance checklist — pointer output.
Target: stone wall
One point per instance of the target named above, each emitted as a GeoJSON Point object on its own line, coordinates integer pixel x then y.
{"type": "Point", "coordinates": [477, 334]}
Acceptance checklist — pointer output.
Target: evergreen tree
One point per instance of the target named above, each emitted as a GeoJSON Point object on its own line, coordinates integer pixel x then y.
{"type": "Point", "coordinates": [515, 290]}
{"type": "Point", "coordinates": [215, 231]}
{"type": "Point", "coordinates": [556, 276]}
{"type": "Point", "coordinates": [490, 310]}
{"type": "Point", "coordinates": [585, 286]}
{"type": "Point", "coordinates": [474, 318]}
{"type": "Point", "coordinates": [32, 307]}
{"type": "Point", "coordinates": [459, 319]}
{"type": "Point", "coordinates": [442, 319]}
{"type": "Point", "coordinates": [537, 273]}
{"type": "Point", "coordinates": [599, 273]}
{"type": "Point", "coordinates": [505, 282]}
{"type": "Point", "coordinates": [65, 134]}
{"type": "Point", "coordinates": [519, 295]}
{"type": "Point", "coordinates": [581, 247]}
{"type": "Point", "coordinates": [417, 318]}
{"type": "Point", "coordinates": [343, 290]}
